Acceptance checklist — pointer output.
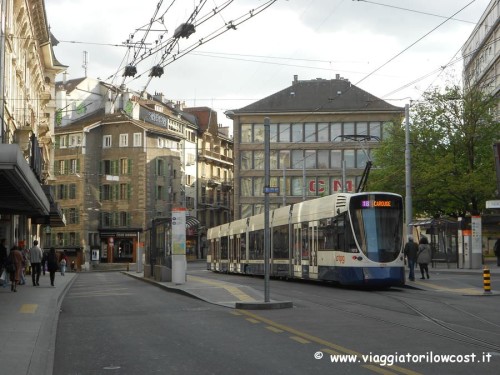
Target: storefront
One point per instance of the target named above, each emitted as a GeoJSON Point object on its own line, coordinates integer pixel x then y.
{"type": "Point", "coordinates": [117, 247]}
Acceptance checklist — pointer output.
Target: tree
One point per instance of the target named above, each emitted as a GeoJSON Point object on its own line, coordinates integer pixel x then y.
{"type": "Point", "coordinates": [452, 161]}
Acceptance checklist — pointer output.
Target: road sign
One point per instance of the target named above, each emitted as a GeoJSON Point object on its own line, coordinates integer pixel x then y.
{"type": "Point", "coordinates": [271, 189]}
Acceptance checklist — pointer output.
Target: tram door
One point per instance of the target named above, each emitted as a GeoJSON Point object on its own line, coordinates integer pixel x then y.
{"type": "Point", "coordinates": [217, 254]}
{"type": "Point", "coordinates": [297, 250]}
{"type": "Point", "coordinates": [313, 249]}
{"type": "Point", "coordinates": [232, 257]}
{"type": "Point", "coordinates": [237, 251]}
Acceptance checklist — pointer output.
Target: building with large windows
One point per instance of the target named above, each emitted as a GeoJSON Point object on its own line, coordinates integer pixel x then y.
{"type": "Point", "coordinates": [322, 133]}
{"type": "Point", "coordinates": [481, 53]}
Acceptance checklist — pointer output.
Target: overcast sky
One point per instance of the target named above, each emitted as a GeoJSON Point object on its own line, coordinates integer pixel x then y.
{"type": "Point", "coordinates": [308, 38]}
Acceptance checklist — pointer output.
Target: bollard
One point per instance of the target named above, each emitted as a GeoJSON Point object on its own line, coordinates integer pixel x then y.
{"type": "Point", "coordinates": [486, 280]}
{"type": "Point", "coordinates": [128, 267]}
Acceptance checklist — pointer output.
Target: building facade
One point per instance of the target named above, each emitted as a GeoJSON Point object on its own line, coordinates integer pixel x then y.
{"type": "Point", "coordinates": [118, 167]}
{"type": "Point", "coordinates": [321, 136]}
{"type": "Point", "coordinates": [214, 176]}
{"type": "Point", "coordinates": [481, 53]}
{"type": "Point", "coordinates": [123, 161]}
{"type": "Point", "coordinates": [27, 74]}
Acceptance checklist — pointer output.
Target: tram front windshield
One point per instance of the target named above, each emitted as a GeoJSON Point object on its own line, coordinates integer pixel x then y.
{"type": "Point", "coordinates": [377, 223]}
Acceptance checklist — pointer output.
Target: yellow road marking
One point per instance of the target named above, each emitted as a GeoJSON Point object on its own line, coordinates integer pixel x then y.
{"type": "Point", "coordinates": [235, 291]}
{"type": "Point", "coordinates": [300, 339]}
{"type": "Point", "coordinates": [318, 340]}
{"type": "Point", "coordinates": [274, 329]}
{"type": "Point", "coordinates": [28, 308]}
{"type": "Point", "coordinates": [451, 290]}
{"type": "Point", "coordinates": [254, 321]}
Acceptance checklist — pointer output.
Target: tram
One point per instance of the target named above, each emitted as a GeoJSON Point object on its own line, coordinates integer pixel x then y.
{"type": "Point", "coordinates": [351, 239]}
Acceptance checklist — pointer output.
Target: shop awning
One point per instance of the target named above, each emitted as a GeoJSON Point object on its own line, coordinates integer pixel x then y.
{"type": "Point", "coordinates": [20, 191]}
{"type": "Point", "coordinates": [55, 218]}
{"type": "Point", "coordinates": [192, 222]}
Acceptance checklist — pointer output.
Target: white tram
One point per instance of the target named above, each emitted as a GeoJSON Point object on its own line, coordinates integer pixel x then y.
{"type": "Point", "coordinates": [351, 239]}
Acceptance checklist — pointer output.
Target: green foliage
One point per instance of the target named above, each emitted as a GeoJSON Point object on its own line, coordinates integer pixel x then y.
{"type": "Point", "coordinates": [452, 161]}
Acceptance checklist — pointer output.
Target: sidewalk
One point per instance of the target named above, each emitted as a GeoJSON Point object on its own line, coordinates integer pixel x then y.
{"type": "Point", "coordinates": [217, 292]}
{"type": "Point", "coordinates": [28, 325]}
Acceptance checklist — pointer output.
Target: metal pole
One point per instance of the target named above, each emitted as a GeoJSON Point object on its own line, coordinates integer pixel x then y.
{"type": "Point", "coordinates": [344, 178]}
{"type": "Point", "coordinates": [284, 186]}
{"type": "Point", "coordinates": [304, 179]}
{"type": "Point", "coordinates": [266, 208]}
{"type": "Point", "coordinates": [409, 208]}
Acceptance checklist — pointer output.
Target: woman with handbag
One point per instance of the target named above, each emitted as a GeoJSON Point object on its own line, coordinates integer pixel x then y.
{"type": "Point", "coordinates": [15, 267]}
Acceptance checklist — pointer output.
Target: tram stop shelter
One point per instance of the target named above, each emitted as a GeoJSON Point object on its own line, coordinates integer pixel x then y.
{"type": "Point", "coordinates": [443, 238]}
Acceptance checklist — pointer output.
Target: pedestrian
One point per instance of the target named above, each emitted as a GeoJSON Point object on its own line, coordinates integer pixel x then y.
{"type": "Point", "coordinates": [52, 265]}
{"type": "Point", "coordinates": [36, 263]}
{"type": "Point", "coordinates": [424, 256]}
{"type": "Point", "coordinates": [44, 261]}
{"type": "Point", "coordinates": [410, 251]}
{"type": "Point", "coordinates": [63, 262]}
{"type": "Point", "coordinates": [3, 259]}
{"type": "Point", "coordinates": [15, 258]}
{"type": "Point", "coordinates": [496, 249]}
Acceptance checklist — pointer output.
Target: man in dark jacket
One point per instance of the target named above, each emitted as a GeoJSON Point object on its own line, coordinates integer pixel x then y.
{"type": "Point", "coordinates": [496, 249]}
{"type": "Point", "coordinates": [410, 250]}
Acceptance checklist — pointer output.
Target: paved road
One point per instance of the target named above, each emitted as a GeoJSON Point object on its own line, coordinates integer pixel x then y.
{"type": "Point", "coordinates": [446, 314]}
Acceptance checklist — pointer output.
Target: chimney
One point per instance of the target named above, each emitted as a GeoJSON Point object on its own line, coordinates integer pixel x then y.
{"type": "Point", "coordinates": [295, 79]}
{"type": "Point", "coordinates": [337, 76]}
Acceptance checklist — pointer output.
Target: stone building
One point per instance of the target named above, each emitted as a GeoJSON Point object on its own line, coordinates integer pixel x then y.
{"type": "Point", "coordinates": [322, 133]}
{"type": "Point", "coordinates": [27, 73]}
{"type": "Point", "coordinates": [121, 161]}
{"type": "Point", "coordinates": [214, 180]}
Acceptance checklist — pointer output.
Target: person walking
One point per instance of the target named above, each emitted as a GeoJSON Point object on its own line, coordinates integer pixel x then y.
{"type": "Point", "coordinates": [52, 265]}
{"type": "Point", "coordinates": [36, 263]}
{"type": "Point", "coordinates": [496, 249]}
{"type": "Point", "coordinates": [410, 251]}
{"type": "Point", "coordinates": [16, 258]}
{"type": "Point", "coordinates": [63, 262]}
{"type": "Point", "coordinates": [424, 256]}
{"type": "Point", "coordinates": [3, 259]}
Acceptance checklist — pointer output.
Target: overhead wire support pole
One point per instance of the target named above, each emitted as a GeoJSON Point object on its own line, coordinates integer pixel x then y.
{"type": "Point", "coordinates": [408, 200]}
{"type": "Point", "coordinates": [267, 237]}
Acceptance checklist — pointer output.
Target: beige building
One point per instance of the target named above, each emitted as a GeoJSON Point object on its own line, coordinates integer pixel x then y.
{"type": "Point", "coordinates": [123, 161]}
{"type": "Point", "coordinates": [214, 184]}
{"type": "Point", "coordinates": [322, 133]}
{"type": "Point", "coordinates": [27, 73]}
{"type": "Point", "coordinates": [117, 169]}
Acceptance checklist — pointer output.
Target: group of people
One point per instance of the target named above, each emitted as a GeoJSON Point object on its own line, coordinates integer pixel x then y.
{"type": "Point", "coordinates": [13, 264]}
{"type": "Point", "coordinates": [418, 254]}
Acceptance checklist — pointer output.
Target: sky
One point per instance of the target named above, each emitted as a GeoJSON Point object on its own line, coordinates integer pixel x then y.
{"type": "Point", "coordinates": [394, 49]}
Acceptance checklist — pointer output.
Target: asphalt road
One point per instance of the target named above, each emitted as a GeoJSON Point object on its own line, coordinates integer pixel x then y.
{"type": "Point", "coordinates": [111, 323]}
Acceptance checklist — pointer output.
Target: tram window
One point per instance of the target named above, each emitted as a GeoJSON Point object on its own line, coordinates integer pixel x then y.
{"type": "Point", "coordinates": [223, 247]}
{"type": "Point", "coordinates": [256, 239]}
{"type": "Point", "coordinates": [325, 235]}
{"type": "Point", "coordinates": [280, 242]}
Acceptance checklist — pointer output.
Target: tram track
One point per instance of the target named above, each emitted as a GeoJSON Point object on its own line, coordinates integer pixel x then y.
{"type": "Point", "coordinates": [449, 332]}
{"type": "Point", "coordinates": [463, 338]}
